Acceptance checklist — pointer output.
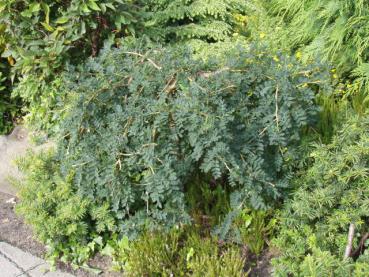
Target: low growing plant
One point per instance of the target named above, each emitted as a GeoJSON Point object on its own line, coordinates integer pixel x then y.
{"type": "Point", "coordinates": [181, 252]}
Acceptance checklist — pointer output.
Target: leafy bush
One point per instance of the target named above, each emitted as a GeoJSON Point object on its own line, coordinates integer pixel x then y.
{"type": "Point", "coordinates": [8, 106]}
{"type": "Point", "coordinates": [332, 194]}
{"type": "Point", "coordinates": [179, 20]}
{"type": "Point", "coordinates": [70, 226]}
{"type": "Point", "coordinates": [42, 36]}
{"type": "Point", "coordinates": [144, 123]}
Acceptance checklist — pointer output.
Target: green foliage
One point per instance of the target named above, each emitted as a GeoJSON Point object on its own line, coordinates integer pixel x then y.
{"type": "Point", "coordinates": [336, 31]}
{"type": "Point", "coordinates": [71, 226]}
{"type": "Point", "coordinates": [181, 252]}
{"type": "Point", "coordinates": [42, 36]}
{"type": "Point", "coordinates": [207, 200]}
{"type": "Point", "coordinates": [332, 194]}
{"type": "Point", "coordinates": [205, 258]}
{"type": "Point", "coordinates": [162, 118]}
{"type": "Point", "coordinates": [255, 228]}
{"type": "Point", "coordinates": [179, 20]}
{"type": "Point", "coordinates": [248, 227]}
{"type": "Point", "coordinates": [8, 106]}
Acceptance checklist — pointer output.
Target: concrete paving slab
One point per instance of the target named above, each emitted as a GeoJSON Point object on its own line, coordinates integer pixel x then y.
{"type": "Point", "coordinates": [44, 271]}
{"type": "Point", "coordinates": [8, 269]}
{"type": "Point", "coordinates": [12, 147]}
{"type": "Point", "coordinates": [23, 259]}
{"type": "Point", "coordinates": [15, 262]}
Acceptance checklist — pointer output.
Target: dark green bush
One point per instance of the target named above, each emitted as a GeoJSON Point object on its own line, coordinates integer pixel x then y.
{"type": "Point", "coordinates": [142, 124]}
{"type": "Point", "coordinates": [333, 193]}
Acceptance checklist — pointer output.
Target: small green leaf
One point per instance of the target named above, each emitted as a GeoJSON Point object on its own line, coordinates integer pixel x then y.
{"type": "Point", "coordinates": [34, 7]}
{"type": "Point", "coordinates": [46, 9]}
{"type": "Point", "coordinates": [47, 26]}
{"type": "Point", "coordinates": [110, 5]}
{"type": "Point", "coordinates": [2, 6]}
{"type": "Point", "coordinates": [94, 6]}
{"type": "Point", "coordinates": [85, 8]}
{"type": "Point", "coordinates": [62, 20]}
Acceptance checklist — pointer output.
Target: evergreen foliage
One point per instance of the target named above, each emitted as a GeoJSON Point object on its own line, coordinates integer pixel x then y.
{"type": "Point", "coordinates": [142, 124]}
{"type": "Point", "coordinates": [71, 226]}
{"type": "Point", "coordinates": [332, 194]}
{"type": "Point", "coordinates": [335, 31]}
{"type": "Point", "coordinates": [209, 20]}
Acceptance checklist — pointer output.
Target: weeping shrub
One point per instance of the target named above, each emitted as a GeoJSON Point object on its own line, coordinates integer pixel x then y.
{"type": "Point", "coordinates": [142, 123]}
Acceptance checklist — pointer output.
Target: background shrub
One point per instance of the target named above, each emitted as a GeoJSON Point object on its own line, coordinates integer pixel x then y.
{"type": "Point", "coordinates": [41, 37]}
{"type": "Point", "coordinates": [335, 31]}
{"type": "Point", "coordinates": [179, 20]}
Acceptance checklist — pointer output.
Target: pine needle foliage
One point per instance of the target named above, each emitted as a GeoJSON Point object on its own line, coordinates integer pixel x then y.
{"type": "Point", "coordinates": [64, 221]}
{"type": "Point", "coordinates": [142, 124]}
{"type": "Point", "coordinates": [332, 194]}
{"type": "Point", "coordinates": [178, 20]}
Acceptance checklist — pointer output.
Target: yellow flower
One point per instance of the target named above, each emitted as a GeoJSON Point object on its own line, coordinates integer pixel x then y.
{"type": "Point", "coordinates": [275, 58]}
{"type": "Point", "coordinates": [262, 35]}
{"type": "Point", "coordinates": [335, 76]}
{"type": "Point", "coordinates": [11, 61]}
{"type": "Point", "coordinates": [298, 55]}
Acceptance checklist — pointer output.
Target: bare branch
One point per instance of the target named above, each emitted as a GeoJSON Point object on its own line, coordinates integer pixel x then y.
{"type": "Point", "coordinates": [143, 56]}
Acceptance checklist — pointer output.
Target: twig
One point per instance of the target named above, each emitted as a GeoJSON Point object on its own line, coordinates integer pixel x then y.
{"type": "Point", "coordinates": [350, 238]}
{"type": "Point", "coordinates": [276, 107]}
{"type": "Point", "coordinates": [361, 247]}
{"type": "Point", "coordinates": [148, 59]}
{"type": "Point", "coordinates": [212, 73]}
